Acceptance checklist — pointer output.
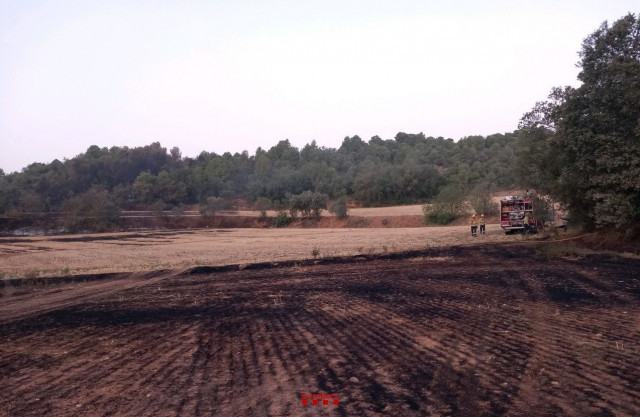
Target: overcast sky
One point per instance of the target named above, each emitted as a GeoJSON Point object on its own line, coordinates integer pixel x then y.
{"type": "Point", "coordinates": [234, 75]}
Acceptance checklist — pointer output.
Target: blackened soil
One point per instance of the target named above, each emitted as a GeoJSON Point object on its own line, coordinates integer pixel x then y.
{"type": "Point", "coordinates": [479, 331]}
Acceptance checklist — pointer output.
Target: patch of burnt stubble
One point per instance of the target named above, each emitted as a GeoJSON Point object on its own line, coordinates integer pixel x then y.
{"type": "Point", "coordinates": [466, 331]}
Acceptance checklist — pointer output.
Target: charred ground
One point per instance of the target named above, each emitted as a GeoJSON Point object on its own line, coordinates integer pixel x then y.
{"type": "Point", "coordinates": [486, 330]}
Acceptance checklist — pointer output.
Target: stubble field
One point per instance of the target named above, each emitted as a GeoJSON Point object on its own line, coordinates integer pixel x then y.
{"type": "Point", "coordinates": [48, 256]}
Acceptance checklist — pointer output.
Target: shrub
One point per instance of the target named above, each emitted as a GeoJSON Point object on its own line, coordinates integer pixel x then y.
{"type": "Point", "coordinates": [282, 220]}
{"type": "Point", "coordinates": [339, 208]}
{"type": "Point", "coordinates": [441, 218]}
{"type": "Point", "coordinates": [448, 205]}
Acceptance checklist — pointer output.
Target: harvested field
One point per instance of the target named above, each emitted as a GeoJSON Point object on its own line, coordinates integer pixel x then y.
{"type": "Point", "coordinates": [453, 331]}
{"type": "Point", "coordinates": [393, 211]}
{"type": "Point", "coordinates": [46, 256]}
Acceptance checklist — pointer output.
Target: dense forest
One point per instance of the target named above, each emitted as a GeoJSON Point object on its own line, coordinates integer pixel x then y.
{"type": "Point", "coordinates": [409, 168]}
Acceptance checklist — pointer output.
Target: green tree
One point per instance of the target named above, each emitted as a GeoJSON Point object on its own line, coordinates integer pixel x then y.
{"type": "Point", "coordinates": [144, 187]}
{"type": "Point", "coordinates": [308, 203]}
{"type": "Point", "coordinates": [168, 189]}
{"type": "Point", "coordinates": [582, 146]}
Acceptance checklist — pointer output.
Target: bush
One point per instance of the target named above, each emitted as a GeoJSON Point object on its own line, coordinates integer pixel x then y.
{"type": "Point", "coordinates": [282, 220]}
{"type": "Point", "coordinates": [447, 206]}
{"type": "Point", "coordinates": [441, 218]}
{"type": "Point", "coordinates": [339, 208]}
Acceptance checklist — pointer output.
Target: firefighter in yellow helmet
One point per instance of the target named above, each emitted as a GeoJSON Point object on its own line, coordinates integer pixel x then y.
{"type": "Point", "coordinates": [482, 224]}
{"type": "Point", "coordinates": [525, 223]}
{"type": "Point", "coordinates": [474, 226]}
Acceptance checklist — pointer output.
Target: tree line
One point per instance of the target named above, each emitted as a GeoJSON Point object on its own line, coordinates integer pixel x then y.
{"type": "Point", "coordinates": [406, 169]}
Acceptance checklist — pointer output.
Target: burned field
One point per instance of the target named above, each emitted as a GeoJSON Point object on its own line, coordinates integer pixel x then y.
{"type": "Point", "coordinates": [467, 331]}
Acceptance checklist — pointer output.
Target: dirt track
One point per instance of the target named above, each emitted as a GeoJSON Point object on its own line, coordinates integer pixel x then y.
{"type": "Point", "coordinates": [465, 331]}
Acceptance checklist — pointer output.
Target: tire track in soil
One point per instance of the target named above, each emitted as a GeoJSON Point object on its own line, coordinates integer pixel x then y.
{"type": "Point", "coordinates": [361, 350]}
{"type": "Point", "coordinates": [107, 375]}
{"type": "Point", "coordinates": [461, 360]}
{"type": "Point", "coordinates": [161, 363]}
{"type": "Point", "coordinates": [551, 352]}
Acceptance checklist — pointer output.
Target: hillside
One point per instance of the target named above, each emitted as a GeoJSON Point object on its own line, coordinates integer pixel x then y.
{"type": "Point", "coordinates": [410, 168]}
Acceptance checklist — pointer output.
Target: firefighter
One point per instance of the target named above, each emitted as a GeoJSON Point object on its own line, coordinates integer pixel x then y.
{"type": "Point", "coordinates": [526, 224]}
{"type": "Point", "coordinates": [474, 225]}
{"type": "Point", "coordinates": [482, 224]}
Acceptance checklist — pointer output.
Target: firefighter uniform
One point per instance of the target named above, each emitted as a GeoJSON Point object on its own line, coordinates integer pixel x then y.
{"type": "Point", "coordinates": [474, 225]}
{"type": "Point", "coordinates": [482, 225]}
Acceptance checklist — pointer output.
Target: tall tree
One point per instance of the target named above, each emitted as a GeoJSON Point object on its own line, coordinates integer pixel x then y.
{"type": "Point", "coordinates": [583, 145]}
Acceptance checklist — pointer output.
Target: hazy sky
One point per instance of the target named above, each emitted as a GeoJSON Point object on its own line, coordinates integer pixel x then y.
{"type": "Point", "coordinates": [234, 75]}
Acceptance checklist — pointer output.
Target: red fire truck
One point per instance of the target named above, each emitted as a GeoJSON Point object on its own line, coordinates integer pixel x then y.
{"type": "Point", "coordinates": [513, 210]}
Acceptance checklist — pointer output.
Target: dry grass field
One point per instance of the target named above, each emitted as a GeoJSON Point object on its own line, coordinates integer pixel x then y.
{"type": "Point", "coordinates": [409, 210]}
{"type": "Point", "coordinates": [47, 256]}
